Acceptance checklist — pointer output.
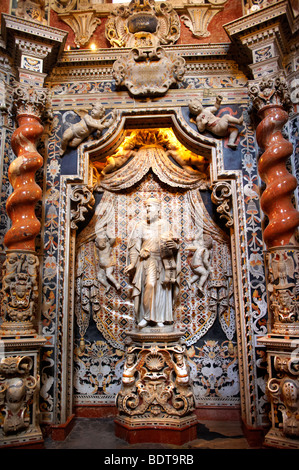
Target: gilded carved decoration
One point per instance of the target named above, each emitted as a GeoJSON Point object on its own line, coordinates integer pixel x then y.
{"type": "Point", "coordinates": [283, 391]}
{"type": "Point", "coordinates": [17, 388]}
{"type": "Point", "coordinates": [143, 24]}
{"type": "Point", "coordinates": [83, 199]}
{"type": "Point", "coordinates": [282, 267]}
{"type": "Point", "coordinates": [83, 23]}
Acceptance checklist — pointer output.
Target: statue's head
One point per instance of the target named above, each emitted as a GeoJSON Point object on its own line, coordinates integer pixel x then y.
{"type": "Point", "coordinates": [195, 106]}
{"type": "Point", "coordinates": [97, 111]}
{"type": "Point", "coordinates": [152, 208]}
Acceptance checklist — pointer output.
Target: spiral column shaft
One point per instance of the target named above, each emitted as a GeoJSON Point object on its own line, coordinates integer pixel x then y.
{"type": "Point", "coordinates": [276, 200]}
{"type": "Point", "coordinates": [21, 203]}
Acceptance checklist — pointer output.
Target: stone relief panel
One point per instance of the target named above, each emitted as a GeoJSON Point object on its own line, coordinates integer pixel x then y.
{"type": "Point", "coordinates": [243, 158]}
{"type": "Point", "coordinates": [104, 306]}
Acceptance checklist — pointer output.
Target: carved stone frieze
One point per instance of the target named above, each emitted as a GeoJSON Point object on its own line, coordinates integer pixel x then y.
{"type": "Point", "coordinates": [148, 72]}
{"type": "Point", "coordinates": [17, 387]}
{"type": "Point", "coordinates": [222, 197]}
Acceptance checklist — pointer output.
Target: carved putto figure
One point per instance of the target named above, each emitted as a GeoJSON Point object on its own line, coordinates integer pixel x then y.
{"type": "Point", "coordinates": [105, 266]}
{"type": "Point", "coordinates": [153, 254]}
{"type": "Point", "coordinates": [96, 120]}
{"type": "Point", "coordinates": [220, 126]}
{"type": "Point", "coordinates": [119, 158]}
{"type": "Point", "coordinates": [200, 263]}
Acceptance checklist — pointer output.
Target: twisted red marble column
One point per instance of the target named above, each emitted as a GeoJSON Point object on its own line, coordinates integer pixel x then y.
{"type": "Point", "coordinates": [21, 203]}
{"type": "Point", "coordinates": [276, 200]}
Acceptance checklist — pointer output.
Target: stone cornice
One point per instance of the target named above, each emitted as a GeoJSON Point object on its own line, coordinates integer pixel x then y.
{"type": "Point", "coordinates": [14, 30]}
{"type": "Point", "coordinates": [254, 21]}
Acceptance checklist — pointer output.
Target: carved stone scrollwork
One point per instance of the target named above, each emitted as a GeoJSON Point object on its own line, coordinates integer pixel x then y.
{"type": "Point", "coordinates": [143, 24]}
{"type": "Point", "coordinates": [30, 100]}
{"type": "Point", "coordinates": [284, 393]}
{"type": "Point", "coordinates": [148, 72]}
{"type": "Point", "coordinates": [270, 91]}
{"type": "Point", "coordinates": [155, 384]}
{"type": "Point", "coordinates": [222, 197]}
{"type": "Point", "coordinates": [17, 388]}
{"type": "Point", "coordinates": [84, 200]}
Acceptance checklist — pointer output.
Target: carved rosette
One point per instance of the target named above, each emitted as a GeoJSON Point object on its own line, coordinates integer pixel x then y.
{"type": "Point", "coordinates": [17, 388]}
{"type": "Point", "coordinates": [155, 385]}
{"type": "Point", "coordinates": [270, 96]}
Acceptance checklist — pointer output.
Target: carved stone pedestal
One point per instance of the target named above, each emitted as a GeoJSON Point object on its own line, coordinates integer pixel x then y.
{"type": "Point", "coordinates": [156, 402]}
{"type": "Point", "coordinates": [283, 390]}
{"type": "Point", "coordinates": [19, 392]}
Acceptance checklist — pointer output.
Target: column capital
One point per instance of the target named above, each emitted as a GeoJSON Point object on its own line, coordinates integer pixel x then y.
{"type": "Point", "coordinates": [270, 91]}
{"type": "Point", "coordinates": [30, 100]}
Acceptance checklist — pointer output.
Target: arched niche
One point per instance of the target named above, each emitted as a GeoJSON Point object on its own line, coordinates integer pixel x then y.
{"type": "Point", "coordinates": [227, 194]}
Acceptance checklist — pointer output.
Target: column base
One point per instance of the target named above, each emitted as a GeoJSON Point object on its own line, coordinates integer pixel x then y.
{"type": "Point", "coordinates": [176, 432]}
{"type": "Point", "coordinates": [277, 439]}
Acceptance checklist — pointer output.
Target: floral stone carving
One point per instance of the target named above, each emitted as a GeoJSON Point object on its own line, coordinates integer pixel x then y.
{"type": "Point", "coordinates": [148, 72]}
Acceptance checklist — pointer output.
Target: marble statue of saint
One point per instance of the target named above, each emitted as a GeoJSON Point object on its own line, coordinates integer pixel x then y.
{"type": "Point", "coordinates": [220, 126]}
{"type": "Point", "coordinates": [96, 120]}
{"type": "Point", "coordinates": [154, 260]}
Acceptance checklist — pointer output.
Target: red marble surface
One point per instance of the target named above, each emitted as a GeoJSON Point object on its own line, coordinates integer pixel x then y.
{"type": "Point", "coordinates": [21, 203]}
{"type": "Point", "coordinates": [276, 200]}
